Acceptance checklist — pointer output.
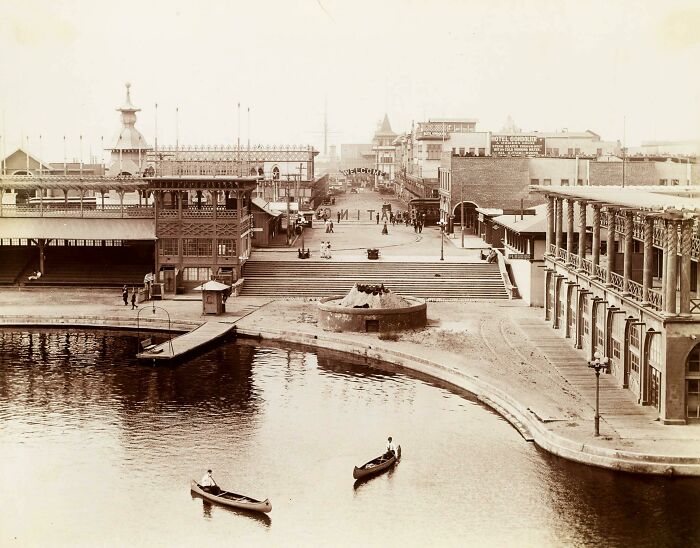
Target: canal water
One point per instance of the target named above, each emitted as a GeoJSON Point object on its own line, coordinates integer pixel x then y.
{"type": "Point", "coordinates": [97, 449]}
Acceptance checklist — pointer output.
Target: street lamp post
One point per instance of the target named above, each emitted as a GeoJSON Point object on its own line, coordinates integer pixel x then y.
{"type": "Point", "coordinates": [598, 363]}
{"type": "Point", "coordinates": [441, 223]}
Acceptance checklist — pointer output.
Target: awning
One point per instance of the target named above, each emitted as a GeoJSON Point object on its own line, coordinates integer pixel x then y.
{"type": "Point", "coordinates": [212, 285]}
{"type": "Point", "coordinates": [78, 229]}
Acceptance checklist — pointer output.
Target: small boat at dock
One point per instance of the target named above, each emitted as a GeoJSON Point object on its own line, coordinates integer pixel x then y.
{"type": "Point", "coordinates": [233, 499]}
{"type": "Point", "coordinates": [376, 466]}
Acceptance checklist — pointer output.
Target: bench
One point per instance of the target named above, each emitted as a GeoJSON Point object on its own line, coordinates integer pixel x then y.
{"type": "Point", "coordinates": [147, 345]}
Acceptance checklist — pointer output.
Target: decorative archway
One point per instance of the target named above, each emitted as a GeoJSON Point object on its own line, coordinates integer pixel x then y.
{"type": "Point", "coordinates": [471, 217]}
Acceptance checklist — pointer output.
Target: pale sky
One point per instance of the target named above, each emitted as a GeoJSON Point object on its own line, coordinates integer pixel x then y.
{"type": "Point", "coordinates": [550, 64]}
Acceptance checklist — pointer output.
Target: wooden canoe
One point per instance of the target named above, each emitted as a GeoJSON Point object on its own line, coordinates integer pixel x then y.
{"type": "Point", "coordinates": [376, 466]}
{"type": "Point", "coordinates": [232, 499]}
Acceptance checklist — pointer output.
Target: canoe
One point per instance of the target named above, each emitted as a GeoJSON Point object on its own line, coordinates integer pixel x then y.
{"type": "Point", "coordinates": [233, 499]}
{"type": "Point", "coordinates": [375, 466]}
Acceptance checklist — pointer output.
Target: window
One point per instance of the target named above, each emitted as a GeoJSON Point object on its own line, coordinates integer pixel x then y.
{"type": "Point", "coordinates": [196, 247]}
{"type": "Point", "coordinates": [555, 151]}
{"type": "Point", "coordinates": [599, 152]}
{"type": "Point", "coordinates": [663, 182]}
{"type": "Point", "coordinates": [168, 246]}
{"type": "Point", "coordinates": [693, 363]}
{"type": "Point", "coordinates": [692, 398]}
{"type": "Point", "coordinates": [579, 182]}
{"type": "Point", "coordinates": [461, 151]}
{"type": "Point", "coordinates": [634, 349]}
{"type": "Point", "coordinates": [433, 152]}
{"type": "Point", "coordinates": [534, 181]}
{"type": "Point", "coordinates": [196, 274]}
{"type": "Point", "coordinates": [548, 151]}
{"type": "Point", "coordinates": [674, 182]}
{"type": "Point", "coordinates": [570, 152]}
{"type": "Point", "coordinates": [547, 182]}
{"type": "Point", "coordinates": [226, 248]}
{"type": "Point", "coordinates": [482, 152]}
{"type": "Point", "coordinates": [577, 151]}
{"type": "Point", "coordinates": [471, 151]}
{"type": "Point", "coordinates": [565, 182]}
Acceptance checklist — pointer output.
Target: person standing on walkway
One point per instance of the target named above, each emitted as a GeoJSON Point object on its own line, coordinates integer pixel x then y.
{"type": "Point", "coordinates": [385, 230]}
{"type": "Point", "coordinates": [328, 249]}
{"type": "Point", "coordinates": [133, 298]}
{"type": "Point", "coordinates": [330, 225]}
{"type": "Point", "coordinates": [377, 217]}
{"type": "Point", "coordinates": [125, 295]}
{"type": "Point", "coordinates": [338, 217]}
{"type": "Point", "coordinates": [323, 250]}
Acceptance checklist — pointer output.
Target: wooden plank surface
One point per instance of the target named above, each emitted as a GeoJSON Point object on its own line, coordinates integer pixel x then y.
{"type": "Point", "coordinates": [188, 342]}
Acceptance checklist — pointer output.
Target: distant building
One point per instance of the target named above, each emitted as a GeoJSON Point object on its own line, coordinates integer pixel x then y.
{"type": "Point", "coordinates": [385, 152]}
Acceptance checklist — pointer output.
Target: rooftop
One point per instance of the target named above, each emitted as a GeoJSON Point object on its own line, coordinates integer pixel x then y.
{"type": "Point", "coordinates": [661, 199]}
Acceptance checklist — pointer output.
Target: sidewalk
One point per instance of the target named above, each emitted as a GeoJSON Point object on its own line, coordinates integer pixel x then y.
{"type": "Point", "coordinates": [501, 351]}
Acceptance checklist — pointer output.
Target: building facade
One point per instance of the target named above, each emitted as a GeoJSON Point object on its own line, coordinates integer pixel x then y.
{"type": "Point", "coordinates": [629, 288]}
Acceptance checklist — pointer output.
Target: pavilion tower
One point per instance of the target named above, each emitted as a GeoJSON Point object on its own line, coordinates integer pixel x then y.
{"type": "Point", "coordinates": [128, 153]}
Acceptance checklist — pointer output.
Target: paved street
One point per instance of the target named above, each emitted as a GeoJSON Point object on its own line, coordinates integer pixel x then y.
{"type": "Point", "coordinates": [351, 237]}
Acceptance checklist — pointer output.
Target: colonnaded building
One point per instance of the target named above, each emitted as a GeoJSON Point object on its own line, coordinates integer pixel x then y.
{"type": "Point", "coordinates": [182, 213]}
{"type": "Point", "coordinates": [622, 279]}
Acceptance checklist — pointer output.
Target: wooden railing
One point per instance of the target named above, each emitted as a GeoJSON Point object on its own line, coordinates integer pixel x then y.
{"type": "Point", "coordinates": [600, 272]}
{"type": "Point", "coordinates": [635, 289]}
{"type": "Point", "coordinates": [574, 260]}
{"type": "Point", "coordinates": [655, 299]}
{"type": "Point", "coordinates": [617, 281]}
{"type": "Point", "coordinates": [586, 266]}
{"type": "Point", "coordinates": [562, 254]}
{"type": "Point", "coordinates": [110, 211]}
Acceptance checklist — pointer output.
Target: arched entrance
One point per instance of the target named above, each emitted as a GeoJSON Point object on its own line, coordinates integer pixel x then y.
{"type": "Point", "coordinates": [471, 217]}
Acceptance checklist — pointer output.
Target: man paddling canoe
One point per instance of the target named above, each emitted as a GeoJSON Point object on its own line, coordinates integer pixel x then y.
{"type": "Point", "coordinates": [209, 485]}
{"type": "Point", "coordinates": [390, 448]}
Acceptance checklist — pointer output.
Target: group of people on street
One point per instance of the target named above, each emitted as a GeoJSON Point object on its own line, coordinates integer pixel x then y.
{"type": "Point", "coordinates": [326, 249]}
{"type": "Point", "coordinates": [125, 296]}
{"type": "Point", "coordinates": [329, 225]}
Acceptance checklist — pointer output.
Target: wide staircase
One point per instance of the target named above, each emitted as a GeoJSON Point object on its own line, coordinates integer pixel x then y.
{"type": "Point", "coordinates": [438, 281]}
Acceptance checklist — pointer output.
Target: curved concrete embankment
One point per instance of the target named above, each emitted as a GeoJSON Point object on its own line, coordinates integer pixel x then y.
{"type": "Point", "coordinates": [524, 420]}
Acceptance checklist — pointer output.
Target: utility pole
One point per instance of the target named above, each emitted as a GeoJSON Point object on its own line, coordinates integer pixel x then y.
{"type": "Point", "coordinates": [289, 238]}
{"type": "Point", "coordinates": [624, 146]}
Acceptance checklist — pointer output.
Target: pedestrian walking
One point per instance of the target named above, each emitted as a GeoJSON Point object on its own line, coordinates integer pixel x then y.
{"type": "Point", "coordinates": [125, 295]}
{"type": "Point", "coordinates": [385, 230]}
{"type": "Point", "coordinates": [377, 217]}
{"type": "Point", "coordinates": [328, 249]}
{"type": "Point", "coordinates": [133, 298]}
{"type": "Point", "coordinates": [331, 225]}
{"type": "Point", "coordinates": [420, 227]}
{"type": "Point", "coordinates": [338, 217]}
{"type": "Point", "coordinates": [323, 250]}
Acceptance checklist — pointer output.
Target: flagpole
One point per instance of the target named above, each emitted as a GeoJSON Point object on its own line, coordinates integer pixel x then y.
{"type": "Point", "coordinates": [65, 166]}
{"type": "Point", "coordinates": [81, 155]}
{"type": "Point", "coordinates": [40, 155]}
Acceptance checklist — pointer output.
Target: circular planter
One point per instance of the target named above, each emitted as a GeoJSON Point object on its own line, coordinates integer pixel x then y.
{"type": "Point", "coordinates": [333, 317]}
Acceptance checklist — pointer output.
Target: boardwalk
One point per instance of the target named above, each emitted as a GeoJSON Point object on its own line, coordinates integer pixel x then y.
{"type": "Point", "coordinates": [187, 343]}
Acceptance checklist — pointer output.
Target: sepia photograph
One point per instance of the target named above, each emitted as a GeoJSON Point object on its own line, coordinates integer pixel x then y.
{"type": "Point", "coordinates": [350, 273]}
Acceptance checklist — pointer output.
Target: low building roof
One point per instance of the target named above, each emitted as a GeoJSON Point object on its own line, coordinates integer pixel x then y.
{"type": "Point", "coordinates": [658, 199]}
{"type": "Point", "coordinates": [212, 285]}
{"type": "Point", "coordinates": [528, 224]}
{"type": "Point", "coordinates": [58, 228]}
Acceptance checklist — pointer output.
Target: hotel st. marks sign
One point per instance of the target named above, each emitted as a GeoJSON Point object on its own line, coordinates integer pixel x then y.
{"type": "Point", "coordinates": [368, 170]}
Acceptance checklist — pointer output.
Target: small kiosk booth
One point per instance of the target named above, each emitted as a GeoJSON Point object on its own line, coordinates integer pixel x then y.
{"type": "Point", "coordinates": [214, 295]}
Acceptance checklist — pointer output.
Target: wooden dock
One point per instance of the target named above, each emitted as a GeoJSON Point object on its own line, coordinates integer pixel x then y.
{"type": "Point", "coordinates": [182, 345]}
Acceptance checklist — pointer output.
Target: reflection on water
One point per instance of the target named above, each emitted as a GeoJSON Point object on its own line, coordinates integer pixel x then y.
{"type": "Point", "coordinates": [111, 445]}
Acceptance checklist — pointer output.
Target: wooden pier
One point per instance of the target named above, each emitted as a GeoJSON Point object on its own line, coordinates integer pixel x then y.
{"type": "Point", "coordinates": [187, 343]}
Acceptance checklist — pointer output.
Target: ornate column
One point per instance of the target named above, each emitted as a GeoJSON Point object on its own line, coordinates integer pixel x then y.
{"type": "Point", "coordinates": [558, 203]}
{"type": "Point", "coordinates": [569, 228]}
{"type": "Point", "coordinates": [629, 233]}
{"type": "Point", "coordinates": [648, 257]}
{"type": "Point", "coordinates": [671, 266]}
{"type": "Point", "coordinates": [550, 223]}
{"type": "Point", "coordinates": [686, 249]}
{"type": "Point", "coordinates": [611, 213]}
{"type": "Point", "coordinates": [595, 245]}
{"type": "Point", "coordinates": [582, 230]}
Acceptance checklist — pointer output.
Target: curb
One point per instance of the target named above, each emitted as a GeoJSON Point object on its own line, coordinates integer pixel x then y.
{"type": "Point", "coordinates": [522, 419]}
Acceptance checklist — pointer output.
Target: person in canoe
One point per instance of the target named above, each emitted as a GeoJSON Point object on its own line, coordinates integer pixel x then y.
{"type": "Point", "coordinates": [209, 485]}
{"type": "Point", "coordinates": [390, 449]}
